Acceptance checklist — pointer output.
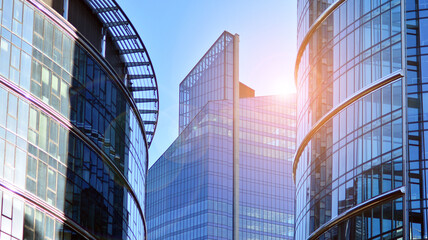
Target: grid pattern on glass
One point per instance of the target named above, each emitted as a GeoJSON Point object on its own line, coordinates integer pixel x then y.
{"type": "Point", "coordinates": [179, 200]}
{"type": "Point", "coordinates": [88, 97]}
{"type": "Point", "coordinates": [64, 76]}
{"type": "Point", "coordinates": [358, 153]}
{"type": "Point", "coordinates": [16, 25]}
{"type": "Point", "coordinates": [267, 145]}
{"type": "Point", "coordinates": [417, 63]}
{"type": "Point", "coordinates": [140, 70]}
{"type": "Point", "coordinates": [39, 225]}
{"type": "Point", "coordinates": [193, 178]}
{"type": "Point", "coordinates": [90, 184]}
{"type": "Point", "coordinates": [381, 222]}
{"type": "Point", "coordinates": [11, 216]}
{"type": "Point", "coordinates": [59, 168]}
{"type": "Point", "coordinates": [308, 12]}
{"type": "Point", "coordinates": [211, 79]}
{"type": "Point", "coordinates": [13, 145]}
{"type": "Point", "coordinates": [355, 156]}
{"type": "Point", "coordinates": [340, 60]}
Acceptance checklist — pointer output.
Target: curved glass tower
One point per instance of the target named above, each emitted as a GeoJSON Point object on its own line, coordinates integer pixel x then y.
{"type": "Point", "coordinates": [360, 165]}
{"type": "Point", "coordinates": [79, 107]}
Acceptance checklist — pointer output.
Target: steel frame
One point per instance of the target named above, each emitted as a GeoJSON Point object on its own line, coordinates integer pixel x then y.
{"type": "Point", "coordinates": [140, 75]}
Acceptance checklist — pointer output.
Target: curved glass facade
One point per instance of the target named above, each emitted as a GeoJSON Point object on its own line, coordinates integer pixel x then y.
{"type": "Point", "coordinates": [351, 145]}
{"type": "Point", "coordinates": [73, 150]}
{"type": "Point", "coordinates": [360, 168]}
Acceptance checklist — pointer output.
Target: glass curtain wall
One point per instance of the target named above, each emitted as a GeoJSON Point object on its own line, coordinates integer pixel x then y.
{"type": "Point", "coordinates": [211, 79]}
{"type": "Point", "coordinates": [416, 63]}
{"type": "Point", "coordinates": [73, 156]}
{"type": "Point", "coordinates": [350, 152]}
{"type": "Point", "coordinates": [190, 187]}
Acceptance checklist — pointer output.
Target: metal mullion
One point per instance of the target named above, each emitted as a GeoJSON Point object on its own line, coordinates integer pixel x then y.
{"type": "Point", "coordinates": [127, 30]}
{"type": "Point", "coordinates": [406, 227]}
{"type": "Point", "coordinates": [392, 195]}
{"type": "Point", "coordinates": [394, 76]}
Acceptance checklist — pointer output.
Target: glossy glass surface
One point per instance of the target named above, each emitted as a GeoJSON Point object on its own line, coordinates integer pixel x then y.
{"type": "Point", "coordinates": [357, 154]}
{"type": "Point", "coordinates": [210, 79]}
{"type": "Point", "coordinates": [341, 59]}
{"type": "Point", "coordinates": [190, 187]}
{"type": "Point", "coordinates": [77, 155]}
{"type": "Point", "coordinates": [354, 157]}
{"type": "Point", "coordinates": [12, 215]}
{"type": "Point", "coordinates": [381, 222]}
{"type": "Point", "coordinates": [417, 83]}
{"type": "Point", "coordinates": [308, 12]}
{"type": "Point", "coordinates": [38, 225]}
{"type": "Point", "coordinates": [267, 144]}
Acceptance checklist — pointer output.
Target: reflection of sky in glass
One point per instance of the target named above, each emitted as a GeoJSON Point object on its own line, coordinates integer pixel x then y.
{"type": "Point", "coordinates": [190, 189]}
{"type": "Point", "coordinates": [69, 145]}
{"type": "Point", "coordinates": [207, 81]}
{"type": "Point", "coordinates": [349, 82]}
{"type": "Point", "coordinates": [190, 186]}
{"type": "Point", "coordinates": [177, 34]}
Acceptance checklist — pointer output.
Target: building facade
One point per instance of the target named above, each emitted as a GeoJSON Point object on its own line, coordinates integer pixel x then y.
{"type": "Point", "coordinates": [360, 164]}
{"type": "Point", "coordinates": [79, 110]}
{"type": "Point", "coordinates": [190, 187]}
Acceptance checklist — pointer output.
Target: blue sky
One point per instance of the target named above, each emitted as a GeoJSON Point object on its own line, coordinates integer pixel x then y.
{"type": "Point", "coordinates": [177, 33]}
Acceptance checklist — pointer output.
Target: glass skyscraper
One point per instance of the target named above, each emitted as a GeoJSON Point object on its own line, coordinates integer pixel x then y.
{"type": "Point", "coordinates": [79, 107]}
{"type": "Point", "coordinates": [360, 167]}
{"type": "Point", "coordinates": [190, 187]}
